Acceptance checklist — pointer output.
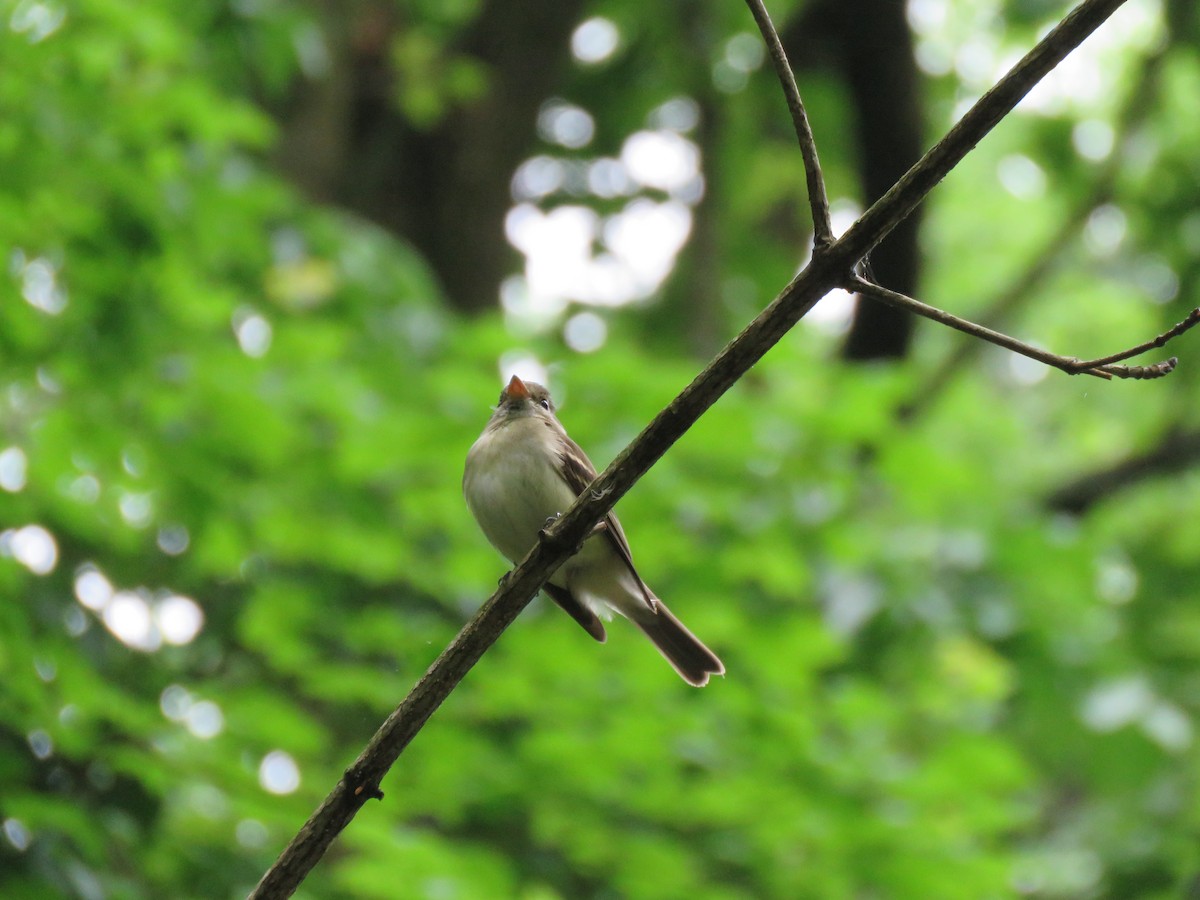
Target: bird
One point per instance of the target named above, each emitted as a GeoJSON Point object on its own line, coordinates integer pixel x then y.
{"type": "Point", "coordinates": [521, 474]}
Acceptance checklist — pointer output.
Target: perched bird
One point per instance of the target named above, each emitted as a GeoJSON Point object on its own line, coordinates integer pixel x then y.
{"type": "Point", "coordinates": [524, 471]}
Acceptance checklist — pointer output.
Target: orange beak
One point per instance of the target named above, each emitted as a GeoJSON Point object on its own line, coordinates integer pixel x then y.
{"type": "Point", "coordinates": [516, 389]}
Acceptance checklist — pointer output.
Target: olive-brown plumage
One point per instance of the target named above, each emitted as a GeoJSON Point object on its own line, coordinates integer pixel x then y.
{"type": "Point", "coordinates": [524, 470]}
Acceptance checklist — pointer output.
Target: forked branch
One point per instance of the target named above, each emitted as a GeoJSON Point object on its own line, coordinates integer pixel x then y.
{"type": "Point", "coordinates": [825, 271]}
{"type": "Point", "coordinates": [1101, 368]}
{"type": "Point", "coordinates": [1003, 305]}
{"type": "Point", "coordinates": [1104, 362]}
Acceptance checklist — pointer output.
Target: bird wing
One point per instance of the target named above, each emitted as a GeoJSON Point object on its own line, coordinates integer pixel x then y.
{"type": "Point", "coordinates": [578, 472]}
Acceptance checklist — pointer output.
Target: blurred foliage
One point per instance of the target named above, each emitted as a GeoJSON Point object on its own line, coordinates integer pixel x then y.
{"type": "Point", "coordinates": [215, 391]}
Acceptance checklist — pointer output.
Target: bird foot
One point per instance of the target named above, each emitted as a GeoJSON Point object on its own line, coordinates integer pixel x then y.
{"type": "Point", "coordinates": [550, 520]}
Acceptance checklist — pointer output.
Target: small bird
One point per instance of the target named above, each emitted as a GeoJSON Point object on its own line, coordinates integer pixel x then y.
{"type": "Point", "coordinates": [522, 473]}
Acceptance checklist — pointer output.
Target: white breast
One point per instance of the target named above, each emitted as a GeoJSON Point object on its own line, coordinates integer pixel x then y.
{"type": "Point", "coordinates": [512, 485]}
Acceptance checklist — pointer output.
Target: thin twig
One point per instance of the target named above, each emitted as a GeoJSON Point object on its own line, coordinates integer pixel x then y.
{"type": "Point", "coordinates": [903, 301]}
{"type": "Point", "coordinates": [1100, 368]}
{"type": "Point", "coordinates": [1143, 373]}
{"type": "Point", "coordinates": [1192, 320]}
{"type": "Point", "coordinates": [1024, 285]}
{"type": "Point", "coordinates": [824, 272]}
{"type": "Point", "coordinates": [998, 310]}
{"type": "Point", "coordinates": [818, 201]}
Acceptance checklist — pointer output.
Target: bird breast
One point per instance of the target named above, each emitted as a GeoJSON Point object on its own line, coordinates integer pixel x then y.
{"type": "Point", "coordinates": [512, 484]}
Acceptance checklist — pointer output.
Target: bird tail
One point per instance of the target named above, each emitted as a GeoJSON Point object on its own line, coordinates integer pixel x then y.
{"type": "Point", "coordinates": [683, 650]}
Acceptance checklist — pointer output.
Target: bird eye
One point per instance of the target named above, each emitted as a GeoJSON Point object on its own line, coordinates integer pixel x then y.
{"type": "Point", "coordinates": [545, 403]}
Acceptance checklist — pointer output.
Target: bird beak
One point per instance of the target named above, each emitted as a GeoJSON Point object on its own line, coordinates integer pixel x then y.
{"type": "Point", "coordinates": [516, 389]}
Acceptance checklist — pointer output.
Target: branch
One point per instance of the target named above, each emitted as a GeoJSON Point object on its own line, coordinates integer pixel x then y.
{"type": "Point", "coordinates": [818, 201]}
{"type": "Point", "coordinates": [1101, 368]}
{"type": "Point", "coordinates": [1103, 362]}
{"type": "Point", "coordinates": [360, 782]}
{"type": "Point", "coordinates": [1004, 304]}
{"type": "Point", "coordinates": [826, 270]}
{"type": "Point", "coordinates": [917, 182]}
{"type": "Point", "coordinates": [1000, 309]}
{"type": "Point", "coordinates": [1178, 451]}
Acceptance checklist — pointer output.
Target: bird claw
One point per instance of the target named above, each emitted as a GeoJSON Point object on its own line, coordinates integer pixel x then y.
{"type": "Point", "coordinates": [545, 538]}
{"type": "Point", "coordinates": [550, 520]}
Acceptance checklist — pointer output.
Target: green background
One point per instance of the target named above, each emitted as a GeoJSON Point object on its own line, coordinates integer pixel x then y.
{"type": "Point", "coordinates": [940, 684]}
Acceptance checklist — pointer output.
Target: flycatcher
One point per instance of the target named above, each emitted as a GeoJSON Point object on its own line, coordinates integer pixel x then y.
{"type": "Point", "coordinates": [524, 471]}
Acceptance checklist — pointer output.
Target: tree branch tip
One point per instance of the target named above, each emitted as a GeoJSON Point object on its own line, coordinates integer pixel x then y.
{"type": "Point", "coordinates": [1190, 321]}
{"type": "Point", "coordinates": [1144, 373]}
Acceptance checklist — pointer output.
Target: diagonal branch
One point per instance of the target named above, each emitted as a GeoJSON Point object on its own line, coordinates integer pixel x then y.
{"type": "Point", "coordinates": [917, 182]}
{"type": "Point", "coordinates": [1101, 368]}
{"type": "Point", "coordinates": [1003, 305]}
{"type": "Point", "coordinates": [825, 271]}
{"type": "Point", "coordinates": [818, 201]}
{"type": "Point", "coordinates": [1177, 451]}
